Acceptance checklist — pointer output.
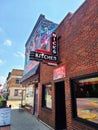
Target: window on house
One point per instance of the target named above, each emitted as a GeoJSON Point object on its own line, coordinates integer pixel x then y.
{"type": "Point", "coordinates": [17, 81]}
{"type": "Point", "coordinates": [47, 96]}
{"type": "Point", "coordinates": [85, 97]}
{"type": "Point", "coordinates": [16, 92]}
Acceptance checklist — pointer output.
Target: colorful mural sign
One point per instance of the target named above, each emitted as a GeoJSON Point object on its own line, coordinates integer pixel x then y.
{"type": "Point", "coordinates": [50, 56]}
{"type": "Point", "coordinates": [40, 39]}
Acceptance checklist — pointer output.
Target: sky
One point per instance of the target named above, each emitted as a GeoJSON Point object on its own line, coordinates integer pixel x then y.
{"type": "Point", "coordinates": [17, 20]}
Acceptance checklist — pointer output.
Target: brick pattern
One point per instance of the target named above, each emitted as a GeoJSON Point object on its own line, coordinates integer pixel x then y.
{"type": "Point", "coordinates": [5, 128]}
{"type": "Point", "coordinates": [11, 82]}
{"type": "Point", "coordinates": [78, 50]}
{"type": "Point", "coordinates": [17, 72]}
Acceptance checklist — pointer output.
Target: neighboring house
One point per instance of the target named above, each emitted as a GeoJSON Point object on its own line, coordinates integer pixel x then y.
{"type": "Point", "coordinates": [13, 84]}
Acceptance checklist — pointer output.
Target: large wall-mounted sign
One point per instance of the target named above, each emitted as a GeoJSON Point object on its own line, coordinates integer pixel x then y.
{"type": "Point", "coordinates": [39, 39]}
{"type": "Point", "coordinates": [59, 72]}
{"type": "Point", "coordinates": [49, 57]}
{"type": "Point", "coordinates": [42, 57]}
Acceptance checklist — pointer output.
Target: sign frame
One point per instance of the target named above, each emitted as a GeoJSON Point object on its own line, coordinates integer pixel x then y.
{"type": "Point", "coordinates": [48, 57]}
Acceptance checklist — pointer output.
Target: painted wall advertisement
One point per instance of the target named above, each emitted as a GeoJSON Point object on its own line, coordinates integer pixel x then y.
{"type": "Point", "coordinates": [39, 40]}
{"type": "Point", "coordinates": [49, 57]}
{"type": "Point", "coordinates": [5, 116]}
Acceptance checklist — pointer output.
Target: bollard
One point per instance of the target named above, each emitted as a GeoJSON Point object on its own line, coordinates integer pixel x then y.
{"type": "Point", "coordinates": [10, 106]}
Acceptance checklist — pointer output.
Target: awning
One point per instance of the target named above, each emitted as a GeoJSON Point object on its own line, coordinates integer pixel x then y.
{"type": "Point", "coordinates": [32, 72]}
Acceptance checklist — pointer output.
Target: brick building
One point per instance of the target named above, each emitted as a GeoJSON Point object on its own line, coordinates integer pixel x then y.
{"type": "Point", "coordinates": [69, 91]}
{"type": "Point", "coordinates": [13, 84]}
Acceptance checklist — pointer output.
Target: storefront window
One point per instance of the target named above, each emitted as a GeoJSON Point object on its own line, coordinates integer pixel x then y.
{"type": "Point", "coordinates": [47, 96]}
{"type": "Point", "coordinates": [29, 100]}
{"type": "Point", "coordinates": [85, 95]}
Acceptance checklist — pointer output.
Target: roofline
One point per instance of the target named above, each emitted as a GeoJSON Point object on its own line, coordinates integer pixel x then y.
{"type": "Point", "coordinates": [41, 17]}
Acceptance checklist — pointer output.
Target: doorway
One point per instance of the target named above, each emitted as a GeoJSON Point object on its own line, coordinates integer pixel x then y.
{"type": "Point", "coordinates": [60, 113]}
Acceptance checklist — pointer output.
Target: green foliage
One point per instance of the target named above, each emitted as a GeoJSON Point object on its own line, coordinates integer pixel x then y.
{"type": "Point", "coordinates": [27, 105]}
{"type": "Point", "coordinates": [1, 100]}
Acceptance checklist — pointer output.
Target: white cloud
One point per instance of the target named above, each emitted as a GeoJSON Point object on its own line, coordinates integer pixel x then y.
{"type": "Point", "coordinates": [19, 54]}
{"type": "Point", "coordinates": [8, 42]}
{"type": "Point", "coordinates": [1, 62]}
{"type": "Point", "coordinates": [2, 80]}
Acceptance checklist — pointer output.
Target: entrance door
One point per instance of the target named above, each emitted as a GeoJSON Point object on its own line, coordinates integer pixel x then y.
{"type": "Point", "coordinates": [60, 113]}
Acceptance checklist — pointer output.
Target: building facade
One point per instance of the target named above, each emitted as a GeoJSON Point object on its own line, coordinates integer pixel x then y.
{"type": "Point", "coordinates": [13, 84]}
{"type": "Point", "coordinates": [68, 97]}
{"type": "Point", "coordinates": [39, 39]}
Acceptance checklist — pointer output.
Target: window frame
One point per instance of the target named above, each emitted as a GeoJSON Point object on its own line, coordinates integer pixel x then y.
{"type": "Point", "coordinates": [73, 99]}
{"type": "Point", "coordinates": [17, 81]}
{"type": "Point", "coordinates": [16, 92]}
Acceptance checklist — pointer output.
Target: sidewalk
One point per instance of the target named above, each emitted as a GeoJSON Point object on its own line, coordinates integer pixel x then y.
{"type": "Point", "coordinates": [22, 120]}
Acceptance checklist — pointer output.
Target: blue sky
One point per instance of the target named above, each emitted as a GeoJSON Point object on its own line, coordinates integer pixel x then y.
{"type": "Point", "coordinates": [17, 19]}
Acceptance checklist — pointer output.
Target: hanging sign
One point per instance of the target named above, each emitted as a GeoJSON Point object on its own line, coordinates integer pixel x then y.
{"type": "Point", "coordinates": [41, 56]}
{"type": "Point", "coordinates": [59, 72]}
{"type": "Point", "coordinates": [49, 57]}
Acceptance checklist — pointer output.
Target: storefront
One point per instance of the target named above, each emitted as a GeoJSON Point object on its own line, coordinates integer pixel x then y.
{"type": "Point", "coordinates": [30, 94]}
{"type": "Point", "coordinates": [69, 96]}
{"type": "Point", "coordinates": [52, 98]}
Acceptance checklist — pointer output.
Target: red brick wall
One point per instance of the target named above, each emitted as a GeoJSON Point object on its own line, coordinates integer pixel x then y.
{"type": "Point", "coordinates": [46, 77]}
{"type": "Point", "coordinates": [78, 50]}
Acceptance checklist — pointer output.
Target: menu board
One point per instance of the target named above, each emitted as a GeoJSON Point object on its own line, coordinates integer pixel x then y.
{"type": "Point", "coordinates": [5, 116]}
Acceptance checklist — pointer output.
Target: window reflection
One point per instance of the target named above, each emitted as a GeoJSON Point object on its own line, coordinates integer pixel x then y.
{"type": "Point", "coordinates": [47, 96]}
{"type": "Point", "coordinates": [86, 94]}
